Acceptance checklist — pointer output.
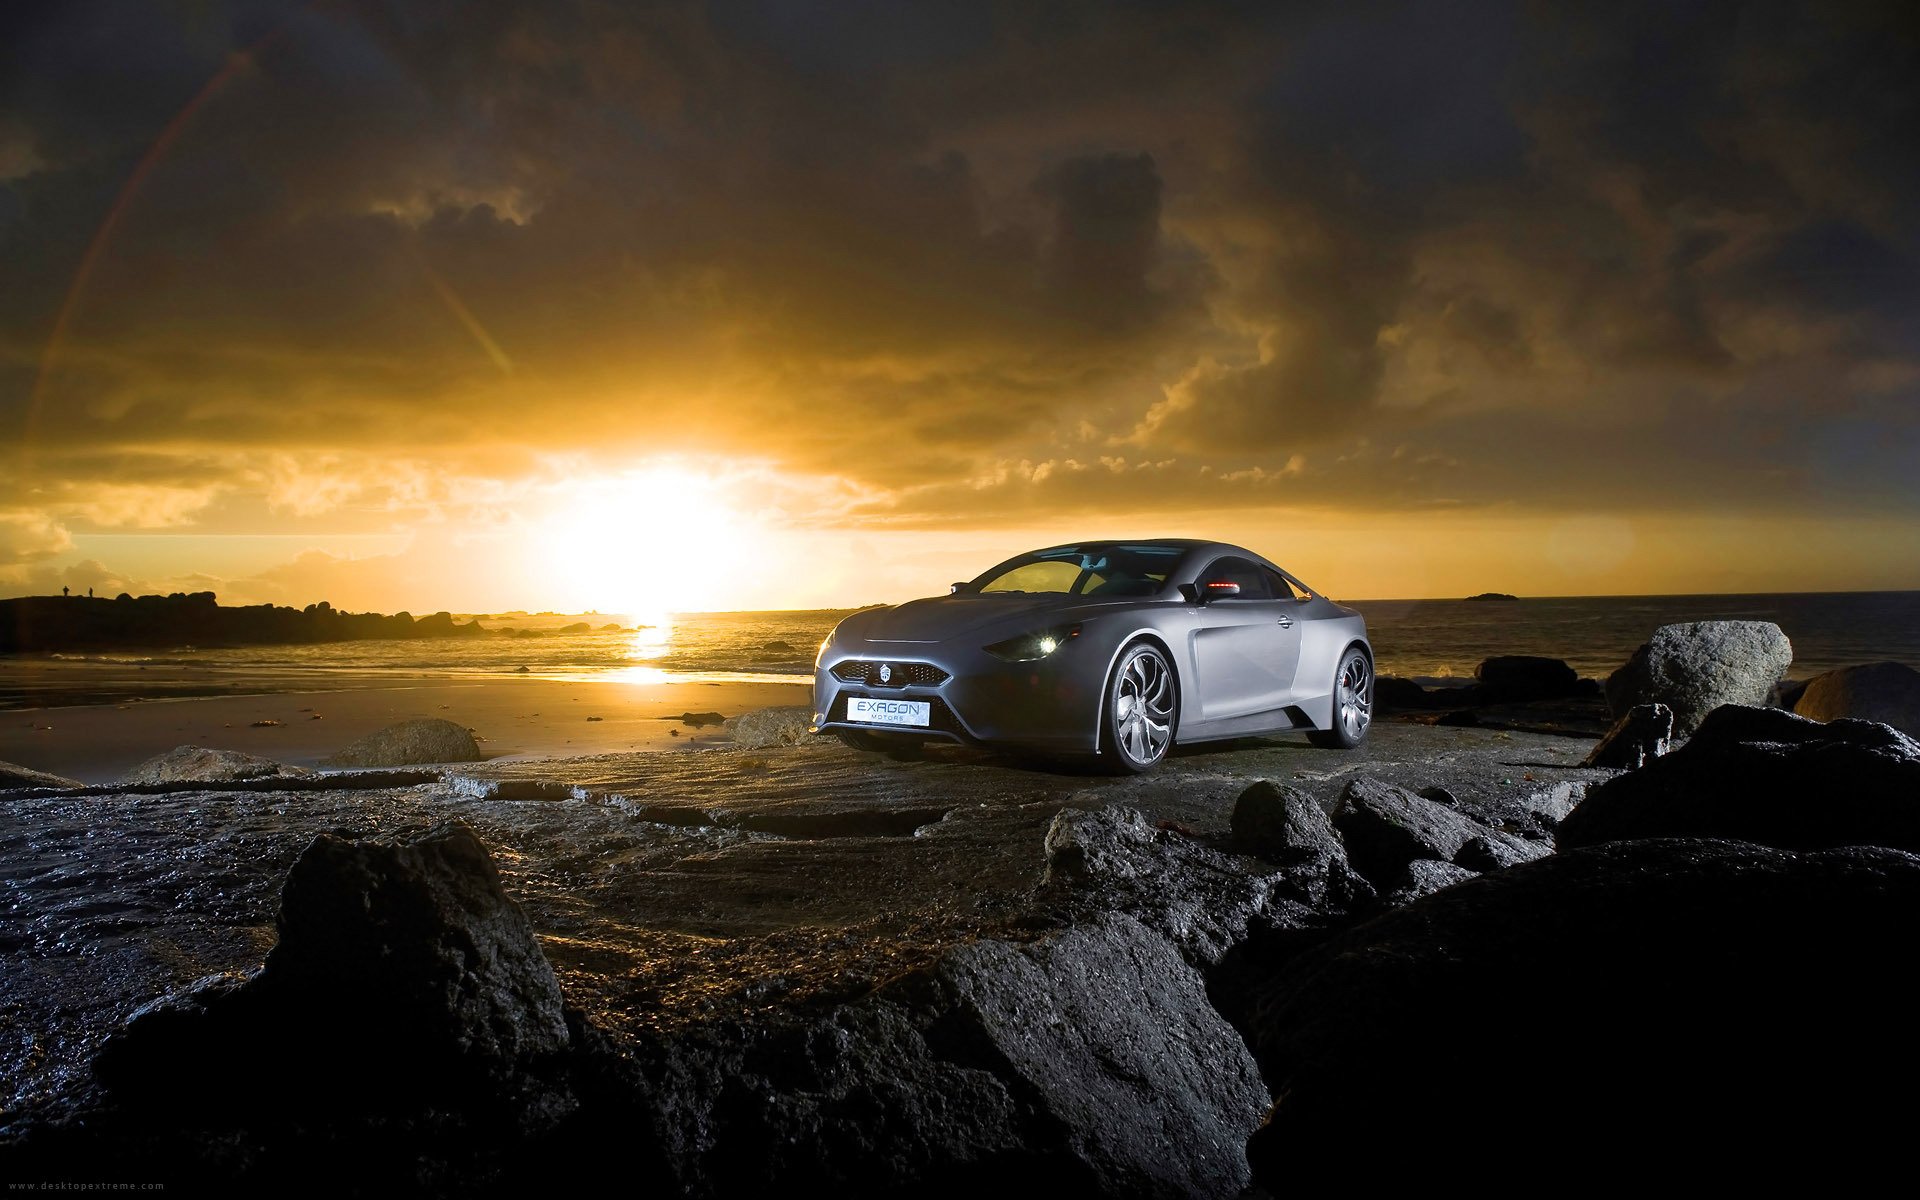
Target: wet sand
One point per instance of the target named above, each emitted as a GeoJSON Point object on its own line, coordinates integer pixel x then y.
{"type": "Point", "coordinates": [512, 717]}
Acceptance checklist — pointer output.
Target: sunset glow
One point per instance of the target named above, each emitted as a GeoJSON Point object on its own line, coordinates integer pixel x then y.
{"type": "Point", "coordinates": [306, 304]}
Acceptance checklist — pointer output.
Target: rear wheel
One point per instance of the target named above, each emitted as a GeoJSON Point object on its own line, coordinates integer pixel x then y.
{"type": "Point", "coordinates": [1142, 709]}
{"type": "Point", "coordinates": [1352, 703]}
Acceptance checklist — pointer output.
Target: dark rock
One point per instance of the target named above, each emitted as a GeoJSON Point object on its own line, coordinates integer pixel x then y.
{"type": "Point", "coordinates": [1763, 775]}
{"type": "Point", "coordinates": [403, 976]}
{"type": "Point", "coordinates": [14, 776]}
{"type": "Point", "coordinates": [776, 646]}
{"type": "Point", "coordinates": [409, 743]}
{"type": "Point", "coordinates": [1386, 827]}
{"type": "Point", "coordinates": [1202, 900]}
{"type": "Point", "coordinates": [698, 719]}
{"type": "Point", "coordinates": [576, 627]}
{"type": "Point", "coordinates": [1787, 693]}
{"type": "Point", "coordinates": [1465, 717]}
{"type": "Point", "coordinates": [1788, 1012]}
{"type": "Point", "coordinates": [1085, 1063]}
{"type": "Point", "coordinates": [1636, 739]}
{"type": "Point", "coordinates": [1494, 596]}
{"type": "Point", "coordinates": [1525, 677]}
{"type": "Point", "coordinates": [1425, 876]}
{"type": "Point", "coordinates": [1887, 692]}
{"type": "Point", "coordinates": [196, 764]}
{"type": "Point", "coordinates": [1394, 694]}
{"type": "Point", "coordinates": [1695, 668]}
{"type": "Point", "coordinates": [1287, 827]}
{"type": "Point", "coordinates": [1486, 853]}
{"type": "Point", "coordinates": [787, 725]}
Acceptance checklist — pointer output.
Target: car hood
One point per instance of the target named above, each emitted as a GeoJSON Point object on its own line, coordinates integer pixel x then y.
{"type": "Point", "coordinates": [939, 618]}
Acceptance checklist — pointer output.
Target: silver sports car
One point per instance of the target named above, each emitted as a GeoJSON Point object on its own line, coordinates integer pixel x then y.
{"type": "Point", "coordinates": [1118, 649]}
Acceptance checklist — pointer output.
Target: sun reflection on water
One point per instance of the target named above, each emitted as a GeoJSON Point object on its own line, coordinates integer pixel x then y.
{"type": "Point", "coordinates": [652, 637]}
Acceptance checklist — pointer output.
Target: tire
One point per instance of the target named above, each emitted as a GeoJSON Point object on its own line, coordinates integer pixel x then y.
{"type": "Point", "coordinates": [1352, 712]}
{"type": "Point", "coordinates": [1142, 709]}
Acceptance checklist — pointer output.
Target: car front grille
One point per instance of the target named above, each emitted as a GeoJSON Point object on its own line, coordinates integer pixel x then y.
{"type": "Point", "coordinates": [940, 719]}
{"type": "Point", "coordinates": [899, 674]}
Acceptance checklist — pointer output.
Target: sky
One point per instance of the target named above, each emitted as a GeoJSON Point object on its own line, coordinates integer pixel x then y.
{"type": "Point", "coordinates": [486, 306]}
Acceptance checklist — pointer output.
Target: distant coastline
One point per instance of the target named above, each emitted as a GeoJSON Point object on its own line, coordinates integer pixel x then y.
{"type": "Point", "coordinates": [43, 624]}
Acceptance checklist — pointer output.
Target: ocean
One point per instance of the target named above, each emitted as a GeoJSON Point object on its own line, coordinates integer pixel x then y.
{"type": "Point", "coordinates": [1432, 640]}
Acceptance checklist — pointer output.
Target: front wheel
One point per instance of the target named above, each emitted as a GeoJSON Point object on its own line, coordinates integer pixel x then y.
{"type": "Point", "coordinates": [1352, 703]}
{"type": "Point", "coordinates": [1143, 707]}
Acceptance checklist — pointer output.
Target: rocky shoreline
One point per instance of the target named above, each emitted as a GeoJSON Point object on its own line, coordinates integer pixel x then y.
{"type": "Point", "coordinates": [785, 964]}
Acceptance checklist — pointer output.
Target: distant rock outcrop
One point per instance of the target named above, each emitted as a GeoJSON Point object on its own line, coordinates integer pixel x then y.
{"type": "Point", "coordinates": [1763, 775]}
{"type": "Point", "coordinates": [197, 764]}
{"type": "Point", "coordinates": [1494, 596]}
{"type": "Point", "coordinates": [1887, 692]}
{"type": "Point", "coordinates": [1695, 668]}
{"type": "Point", "coordinates": [410, 743]}
{"type": "Point", "coordinates": [15, 776]}
{"type": "Point", "coordinates": [51, 623]}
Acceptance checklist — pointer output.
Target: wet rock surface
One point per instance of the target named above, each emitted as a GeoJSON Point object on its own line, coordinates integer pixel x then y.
{"type": "Point", "coordinates": [12, 775]}
{"type": "Point", "coordinates": [678, 897]}
{"type": "Point", "coordinates": [1763, 775]}
{"type": "Point", "coordinates": [191, 764]}
{"type": "Point", "coordinates": [1695, 668]}
{"type": "Point", "coordinates": [410, 743]}
{"type": "Point", "coordinates": [1788, 1014]}
{"type": "Point", "coordinates": [784, 726]}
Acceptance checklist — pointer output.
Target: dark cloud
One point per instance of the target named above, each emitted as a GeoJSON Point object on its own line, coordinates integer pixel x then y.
{"type": "Point", "coordinates": [1385, 256]}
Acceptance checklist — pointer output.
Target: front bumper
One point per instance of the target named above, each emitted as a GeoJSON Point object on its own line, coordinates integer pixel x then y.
{"type": "Point", "coordinates": [1046, 705]}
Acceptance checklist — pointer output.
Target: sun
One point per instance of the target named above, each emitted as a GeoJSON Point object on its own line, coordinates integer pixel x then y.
{"type": "Point", "coordinates": [646, 544]}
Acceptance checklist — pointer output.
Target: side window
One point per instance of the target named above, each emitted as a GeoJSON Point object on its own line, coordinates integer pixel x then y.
{"type": "Point", "coordinates": [1282, 587]}
{"type": "Point", "coordinates": [1251, 578]}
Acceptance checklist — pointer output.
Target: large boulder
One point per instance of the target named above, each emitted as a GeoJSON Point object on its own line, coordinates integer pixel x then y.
{"type": "Point", "coordinates": [1763, 775]}
{"type": "Point", "coordinates": [1636, 739]}
{"type": "Point", "coordinates": [1203, 900]}
{"type": "Point", "coordinates": [197, 764]}
{"type": "Point", "coordinates": [1387, 827]}
{"type": "Point", "coordinates": [1087, 1062]}
{"type": "Point", "coordinates": [1287, 827]}
{"type": "Point", "coordinates": [1632, 1008]}
{"type": "Point", "coordinates": [1695, 668]}
{"type": "Point", "coordinates": [403, 975]}
{"type": "Point", "coordinates": [410, 743]}
{"type": "Point", "coordinates": [1887, 692]}
{"type": "Point", "coordinates": [786, 725]}
{"type": "Point", "coordinates": [1517, 677]}
{"type": "Point", "coordinates": [14, 776]}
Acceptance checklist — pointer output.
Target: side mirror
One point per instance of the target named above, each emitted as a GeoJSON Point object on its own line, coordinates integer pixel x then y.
{"type": "Point", "coordinates": [1219, 589]}
{"type": "Point", "coordinates": [954, 589]}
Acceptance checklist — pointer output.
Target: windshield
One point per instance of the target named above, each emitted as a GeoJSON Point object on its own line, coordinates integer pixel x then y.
{"type": "Point", "coordinates": [1103, 569]}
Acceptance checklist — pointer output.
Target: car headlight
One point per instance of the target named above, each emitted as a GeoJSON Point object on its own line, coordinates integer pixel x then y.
{"type": "Point", "coordinates": [1032, 647]}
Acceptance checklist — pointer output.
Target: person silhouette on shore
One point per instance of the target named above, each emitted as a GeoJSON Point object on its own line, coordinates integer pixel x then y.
{"type": "Point", "coordinates": [65, 590]}
{"type": "Point", "coordinates": [89, 593]}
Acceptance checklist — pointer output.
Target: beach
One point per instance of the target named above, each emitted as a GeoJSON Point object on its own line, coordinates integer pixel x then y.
{"type": "Point", "coordinates": [512, 718]}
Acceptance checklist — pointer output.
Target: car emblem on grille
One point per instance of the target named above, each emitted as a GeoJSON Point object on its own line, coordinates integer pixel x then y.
{"type": "Point", "coordinates": [886, 673]}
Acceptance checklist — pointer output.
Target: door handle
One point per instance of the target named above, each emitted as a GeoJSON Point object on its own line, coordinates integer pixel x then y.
{"type": "Point", "coordinates": [1286, 622]}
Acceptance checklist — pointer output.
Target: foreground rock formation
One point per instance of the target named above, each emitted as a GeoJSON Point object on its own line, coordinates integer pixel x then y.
{"type": "Point", "coordinates": [410, 743]}
{"type": "Point", "coordinates": [1712, 1004]}
{"type": "Point", "coordinates": [1695, 668]}
{"type": "Point", "coordinates": [1887, 692]}
{"type": "Point", "coordinates": [189, 764]}
{"type": "Point", "coordinates": [12, 775]}
{"type": "Point", "coordinates": [1766, 776]}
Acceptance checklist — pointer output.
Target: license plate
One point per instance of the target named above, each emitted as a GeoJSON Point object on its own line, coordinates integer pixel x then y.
{"type": "Point", "coordinates": [873, 711]}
